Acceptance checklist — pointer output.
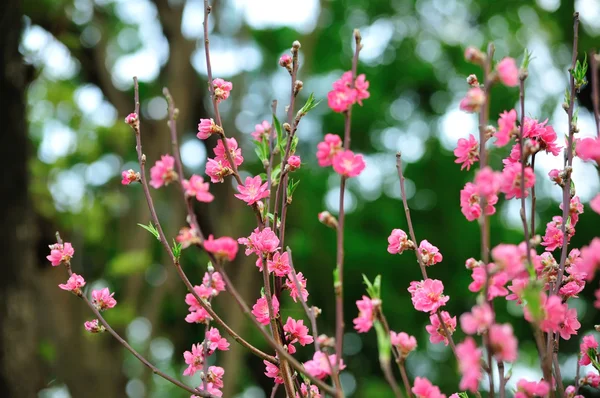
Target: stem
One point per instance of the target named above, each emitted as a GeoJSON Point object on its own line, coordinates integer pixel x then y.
{"type": "Point", "coordinates": [561, 387]}
{"type": "Point", "coordinates": [523, 160]}
{"type": "Point", "coordinates": [389, 377]}
{"type": "Point", "coordinates": [533, 198]}
{"type": "Point", "coordinates": [405, 378]}
{"type": "Point", "coordinates": [545, 360]}
{"type": "Point", "coordinates": [502, 379]}
{"type": "Point", "coordinates": [271, 161]}
{"type": "Point", "coordinates": [397, 357]}
{"type": "Point", "coordinates": [595, 95]}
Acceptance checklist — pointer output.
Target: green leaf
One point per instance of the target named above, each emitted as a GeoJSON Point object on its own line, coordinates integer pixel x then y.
{"type": "Point", "coordinates": [279, 131]}
{"type": "Point", "coordinates": [292, 185]}
{"type": "Point", "coordinates": [295, 141]}
{"type": "Point", "coordinates": [150, 228]}
{"type": "Point", "coordinates": [176, 249]}
{"type": "Point", "coordinates": [308, 106]}
{"type": "Point", "coordinates": [262, 150]}
{"type": "Point", "coordinates": [374, 289]}
{"type": "Point", "coordinates": [463, 394]}
{"type": "Point", "coordinates": [531, 299]}
{"type": "Point", "coordinates": [383, 343]}
{"type": "Point", "coordinates": [129, 263]}
{"type": "Point", "coordinates": [275, 175]}
{"type": "Point", "coordinates": [526, 59]}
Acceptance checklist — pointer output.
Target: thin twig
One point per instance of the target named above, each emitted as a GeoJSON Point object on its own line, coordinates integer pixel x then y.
{"type": "Point", "coordinates": [523, 159]}
{"type": "Point", "coordinates": [502, 379]}
{"type": "Point", "coordinates": [397, 357]}
{"type": "Point", "coordinates": [558, 376]}
{"type": "Point", "coordinates": [595, 88]}
{"type": "Point", "coordinates": [533, 198]}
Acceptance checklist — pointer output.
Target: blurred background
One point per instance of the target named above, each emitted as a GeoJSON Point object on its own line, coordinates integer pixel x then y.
{"type": "Point", "coordinates": [67, 85]}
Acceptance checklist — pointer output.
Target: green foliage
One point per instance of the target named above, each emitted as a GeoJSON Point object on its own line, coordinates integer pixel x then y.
{"type": "Point", "coordinates": [309, 105]}
{"type": "Point", "coordinates": [374, 289]}
{"type": "Point", "coordinates": [383, 343]}
{"type": "Point", "coordinates": [151, 228]}
{"type": "Point", "coordinates": [129, 263]}
{"type": "Point", "coordinates": [579, 73]}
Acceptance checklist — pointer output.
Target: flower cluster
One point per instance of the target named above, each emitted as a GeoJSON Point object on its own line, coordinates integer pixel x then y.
{"type": "Point", "coordinates": [345, 93]}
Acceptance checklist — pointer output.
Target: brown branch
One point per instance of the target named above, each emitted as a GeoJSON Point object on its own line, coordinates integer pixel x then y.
{"type": "Point", "coordinates": [594, 59]}
{"type": "Point", "coordinates": [523, 159]}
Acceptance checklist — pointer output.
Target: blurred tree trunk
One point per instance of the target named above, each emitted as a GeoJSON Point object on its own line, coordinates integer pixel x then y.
{"type": "Point", "coordinates": [20, 372]}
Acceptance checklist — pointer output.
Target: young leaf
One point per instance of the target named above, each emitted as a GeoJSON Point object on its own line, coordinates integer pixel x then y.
{"type": "Point", "coordinates": [176, 249]}
{"type": "Point", "coordinates": [292, 185]}
{"type": "Point", "coordinates": [308, 106]}
{"type": "Point", "coordinates": [279, 142]}
{"type": "Point", "coordinates": [150, 228]}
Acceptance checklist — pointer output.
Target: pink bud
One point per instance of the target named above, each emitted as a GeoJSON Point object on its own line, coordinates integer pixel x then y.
{"type": "Point", "coordinates": [294, 162]}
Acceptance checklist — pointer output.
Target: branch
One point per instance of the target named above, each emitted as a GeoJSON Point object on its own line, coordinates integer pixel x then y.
{"type": "Point", "coordinates": [594, 60]}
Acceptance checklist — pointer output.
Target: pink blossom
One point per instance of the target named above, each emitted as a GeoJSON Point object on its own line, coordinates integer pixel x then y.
{"type": "Point", "coordinates": [470, 205]}
{"type": "Point", "coordinates": [187, 237]}
{"type": "Point", "coordinates": [328, 148]}
{"type": "Point", "coordinates": [478, 320]}
{"type": "Point", "coordinates": [197, 313]}
{"type": "Point", "coordinates": [74, 284]}
{"type": "Point", "coordinates": [595, 203]}
{"type": "Point", "coordinates": [217, 169]}
{"type": "Point", "coordinates": [496, 284]}
{"type": "Point", "coordinates": [590, 259]}
{"type": "Point", "coordinates": [575, 209]}
{"type": "Point", "coordinates": [517, 287]}
{"type": "Point", "coordinates": [509, 258]}
{"type": "Point", "coordinates": [261, 131]}
{"type": "Point", "coordinates": [347, 164]}
{"type": "Point", "coordinates": [403, 342]}
{"type": "Point", "coordinates": [198, 316]}
{"type": "Point", "coordinates": [223, 248]}
{"type": "Point", "coordinates": [511, 180]}
{"type": "Point", "coordinates": [261, 309]}
{"type": "Point", "coordinates": [60, 253]}
{"type": "Point", "coordinates": [260, 242]}
{"type": "Point", "coordinates": [129, 176]}
{"type": "Point", "coordinates": [285, 60]}
{"type": "Point", "coordinates": [473, 100]}
{"type": "Point", "coordinates": [131, 119]}
{"type": "Point", "coordinates": [305, 392]}
{"type": "Point", "coordinates": [507, 124]}
{"type": "Point", "coordinates": [428, 295]}
{"type": "Point", "coordinates": [542, 135]}
{"type": "Point", "coordinates": [592, 379]}
{"type": "Point", "coordinates": [194, 359]}
{"type": "Point", "coordinates": [422, 388]}
{"type": "Point", "coordinates": [503, 342]}
{"type": "Point", "coordinates": [273, 372]}
{"type": "Point", "coordinates": [215, 376]}
{"type": "Point", "coordinates": [214, 281]}
{"type": "Point", "coordinates": [508, 73]}
{"type": "Point", "coordinates": [587, 347]}
{"type": "Point", "coordinates": [253, 190]}
{"type": "Point", "coordinates": [571, 289]}
{"type": "Point", "coordinates": [366, 314]}
{"type": "Point", "coordinates": [198, 188]}
{"type": "Point", "coordinates": [436, 331]}
{"type": "Point", "coordinates": [234, 152]}
{"type": "Point", "coordinates": [221, 89]}
{"type": "Point", "coordinates": [297, 332]}
{"type": "Point", "coordinates": [294, 162]}
{"type": "Point", "coordinates": [206, 128]}
{"type": "Point", "coordinates": [553, 237]}
{"type": "Point", "coordinates": [318, 366]}
{"type": "Point", "coordinates": [291, 285]}
{"type": "Point", "coordinates": [467, 152]}
{"type": "Point", "coordinates": [570, 324]}
{"type": "Point", "coordinates": [487, 182]}
{"type": "Point", "coordinates": [469, 364]}
{"type": "Point", "coordinates": [530, 389]}
{"type": "Point", "coordinates": [163, 172]}
{"type": "Point", "coordinates": [554, 314]}
{"type": "Point", "coordinates": [588, 149]}
{"type": "Point", "coordinates": [216, 342]}
{"type": "Point", "coordinates": [430, 254]}
{"type": "Point", "coordinates": [398, 242]}
{"type": "Point", "coordinates": [210, 388]}
{"type": "Point", "coordinates": [280, 264]}
{"type": "Point", "coordinates": [340, 100]}
{"type": "Point", "coordinates": [343, 95]}
{"type": "Point", "coordinates": [514, 156]}
{"type": "Point", "coordinates": [103, 299]}
{"type": "Point", "coordinates": [94, 326]}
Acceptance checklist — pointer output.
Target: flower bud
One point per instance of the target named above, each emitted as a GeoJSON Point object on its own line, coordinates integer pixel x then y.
{"type": "Point", "coordinates": [326, 218]}
{"type": "Point", "coordinates": [474, 56]}
{"type": "Point", "coordinates": [298, 86]}
{"type": "Point", "coordinates": [472, 81]}
{"type": "Point", "coordinates": [296, 46]}
{"type": "Point", "coordinates": [287, 127]}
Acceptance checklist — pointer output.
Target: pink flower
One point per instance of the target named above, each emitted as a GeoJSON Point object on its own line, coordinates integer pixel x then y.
{"type": "Point", "coordinates": [163, 172]}
{"type": "Point", "coordinates": [214, 281]}
{"type": "Point", "coordinates": [261, 309]}
{"type": "Point", "coordinates": [366, 314]}
{"type": "Point", "coordinates": [285, 60]}
{"type": "Point", "coordinates": [216, 342]}
{"type": "Point", "coordinates": [496, 284]}
{"type": "Point", "coordinates": [507, 124]}
{"type": "Point", "coordinates": [206, 128]}
{"type": "Point", "coordinates": [554, 314]}
{"type": "Point", "coordinates": [129, 176]}
{"type": "Point", "coordinates": [94, 326]}
{"type": "Point", "coordinates": [280, 264]}
{"type": "Point", "coordinates": [467, 152]}
{"type": "Point", "coordinates": [571, 289]}
{"type": "Point", "coordinates": [554, 238]}
{"type": "Point", "coordinates": [509, 258]}
{"type": "Point", "coordinates": [194, 359]}
{"type": "Point", "coordinates": [478, 320]}
{"type": "Point", "coordinates": [291, 285]}
{"type": "Point", "coordinates": [487, 182]}
{"type": "Point", "coordinates": [328, 148]}
{"type": "Point", "coordinates": [595, 203]}
{"type": "Point", "coordinates": [198, 188]}
{"type": "Point", "coordinates": [294, 162]}
{"type": "Point", "coordinates": [592, 379]}
{"type": "Point", "coordinates": [430, 254]}
{"type": "Point", "coordinates": [542, 135]}
{"type": "Point", "coordinates": [347, 164]}
{"type": "Point", "coordinates": [473, 100]}
{"type": "Point", "coordinates": [296, 332]}
{"type": "Point", "coordinates": [503, 342]}
{"type": "Point", "coordinates": [261, 131]}
{"type": "Point", "coordinates": [197, 313]}
{"type": "Point", "coordinates": [511, 180]}
{"type": "Point", "coordinates": [403, 342]}
{"type": "Point", "coordinates": [508, 73]}
{"type": "Point", "coordinates": [131, 119]}
{"type": "Point", "coordinates": [187, 237]}
{"type": "Point", "coordinates": [590, 259]}
{"type": "Point", "coordinates": [260, 242]}
{"type": "Point", "coordinates": [470, 205]}
{"type": "Point", "coordinates": [215, 376]}
{"type": "Point", "coordinates": [588, 149]}
{"type": "Point", "coordinates": [422, 388]}
{"type": "Point", "coordinates": [570, 325]}
{"type": "Point", "coordinates": [222, 89]}
{"type": "Point", "coordinates": [74, 284]}
{"type": "Point", "coordinates": [341, 100]}
{"type": "Point", "coordinates": [469, 364]}
{"type": "Point", "coordinates": [273, 372]}
{"type": "Point", "coordinates": [199, 316]}
{"type": "Point", "coordinates": [555, 176]}
{"type": "Point", "coordinates": [252, 191]}
{"type": "Point", "coordinates": [305, 392]}
{"type": "Point", "coordinates": [217, 169]}
{"type": "Point", "coordinates": [575, 209]}
{"type": "Point", "coordinates": [223, 248]}
{"type": "Point", "coordinates": [343, 96]}
{"type": "Point", "coordinates": [588, 347]}
{"type": "Point", "coordinates": [103, 299]}
{"type": "Point", "coordinates": [318, 366]}
{"type": "Point", "coordinates": [428, 295]}
{"type": "Point", "coordinates": [60, 253]}
{"type": "Point", "coordinates": [436, 331]}
{"type": "Point", "coordinates": [398, 242]}
{"type": "Point", "coordinates": [530, 389]}
{"type": "Point", "coordinates": [234, 152]}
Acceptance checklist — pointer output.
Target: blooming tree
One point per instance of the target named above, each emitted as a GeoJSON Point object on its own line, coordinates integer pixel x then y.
{"type": "Point", "coordinates": [527, 273]}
